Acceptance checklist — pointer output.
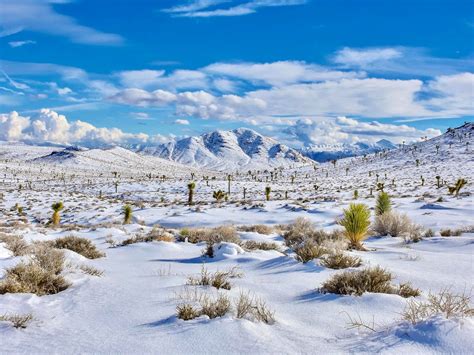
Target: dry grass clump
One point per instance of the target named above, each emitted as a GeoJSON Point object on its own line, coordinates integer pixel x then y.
{"type": "Point", "coordinates": [339, 260]}
{"type": "Point", "coordinates": [155, 235]}
{"type": "Point", "coordinates": [210, 235]}
{"type": "Point", "coordinates": [90, 270]}
{"type": "Point", "coordinates": [212, 307]}
{"type": "Point", "coordinates": [303, 229]}
{"type": "Point", "coordinates": [446, 303]}
{"type": "Point", "coordinates": [308, 251]}
{"type": "Point", "coordinates": [18, 320]}
{"type": "Point", "coordinates": [376, 280]}
{"type": "Point", "coordinates": [258, 245]}
{"type": "Point", "coordinates": [397, 225]}
{"type": "Point", "coordinates": [79, 245]}
{"type": "Point", "coordinates": [450, 232]}
{"type": "Point", "coordinates": [248, 306]}
{"type": "Point", "coordinates": [218, 279]}
{"type": "Point", "coordinates": [40, 275]}
{"type": "Point", "coordinates": [257, 228]}
{"type": "Point", "coordinates": [15, 243]}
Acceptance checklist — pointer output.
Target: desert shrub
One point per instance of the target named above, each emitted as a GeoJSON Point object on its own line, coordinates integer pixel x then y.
{"type": "Point", "coordinates": [186, 311]}
{"type": "Point", "coordinates": [445, 303]}
{"type": "Point", "coordinates": [308, 251]}
{"type": "Point", "coordinates": [257, 245]}
{"type": "Point", "coordinates": [257, 228]}
{"type": "Point", "coordinates": [406, 290]}
{"type": "Point", "coordinates": [15, 243]}
{"type": "Point", "coordinates": [32, 278]}
{"type": "Point", "coordinates": [303, 229]}
{"type": "Point", "coordinates": [376, 280]}
{"type": "Point", "coordinates": [450, 232]}
{"type": "Point", "coordinates": [79, 245]}
{"type": "Point", "coordinates": [382, 203]}
{"type": "Point", "coordinates": [157, 234]}
{"type": "Point", "coordinates": [211, 235]}
{"type": "Point", "coordinates": [18, 320]}
{"type": "Point", "coordinates": [50, 259]}
{"type": "Point", "coordinates": [249, 306]}
{"type": "Point", "coordinates": [356, 223]}
{"type": "Point", "coordinates": [218, 279]}
{"type": "Point", "coordinates": [397, 225]}
{"type": "Point", "coordinates": [340, 260]}
{"type": "Point", "coordinates": [429, 233]}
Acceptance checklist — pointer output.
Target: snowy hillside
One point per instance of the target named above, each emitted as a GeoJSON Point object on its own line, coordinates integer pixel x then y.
{"type": "Point", "coordinates": [229, 150]}
{"type": "Point", "coordinates": [327, 152]}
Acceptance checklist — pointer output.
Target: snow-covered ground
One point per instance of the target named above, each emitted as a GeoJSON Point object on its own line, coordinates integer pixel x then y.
{"type": "Point", "coordinates": [131, 308]}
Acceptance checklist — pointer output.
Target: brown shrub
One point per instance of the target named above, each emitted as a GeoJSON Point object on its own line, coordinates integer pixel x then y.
{"type": "Point", "coordinates": [79, 245]}
{"type": "Point", "coordinates": [257, 228]}
{"type": "Point", "coordinates": [210, 235]}
{"type": "Point", "coordinates": [397, 225]}
{"type": "Point", "coordinates": [340, 260]}
{"type": "Point", "coordinates": [303, 229]}
{"type": "Point", "coordinates": [258, 245]}
{"type": "Point", "coordinates": [308, 251]}
{"type": "Point", "coordinates": [15, 243]}
{"type": "Point", "coordinates": [18, 320]}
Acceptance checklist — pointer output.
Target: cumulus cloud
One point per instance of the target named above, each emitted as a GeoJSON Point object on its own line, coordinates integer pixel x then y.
{"type": "Point", "coordinates": [363, 57]}
{"type": "Point", "coordinates": [49, 126]}
{"type": "Point", "coordinates": [182, 122]}
{"type": "Point", "coordinates": [40, 16]}
{"type": "Point", "coordinates": [330, 131]}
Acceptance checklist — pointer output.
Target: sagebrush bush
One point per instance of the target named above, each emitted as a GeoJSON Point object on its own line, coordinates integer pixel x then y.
{"type": "Point", "coordinates": [15, 243]}
{"type": "Point", "coordinates": [50, 259]}
{"type": "Point", "coordinates": [397, 225]}
{"type": "Point", "coordinates": [257, 228]}
{"type": "Point", "coordinates": [31, 278]}
{"type": "Point", "coordinates": [450, 232]}
{"type": "Point", "coordinates": [356, 223]}
{"type": "Point", "coordinates": [444, 303]}
{"type": "Point", "coordinates": [79, 245]}
{"type": "Point", "coordinates": [302, 229]}
{"type": "Point", "coordinates": [157, 234]}
{"type": "Point", "coordinates": [375, 280]}
{"type": "Point", "coordinates": [218, 279]}
{"type": "Point", "coordinates": [308, 251]}
{"type": "Point", "coordinates": [215, 307]}
{"type": "Point", "coordinates": [340, 260]}
{"type": "Point", "coordinates": [210, 235]}
{"type": "Point", "coordinates": [382, 203]}
{"type": "Point", "coordinates": [259, 245]}
{"type": "Point", "coordinates": [18, 320]}
{"type": "Point", "coordinates": [186, 311]}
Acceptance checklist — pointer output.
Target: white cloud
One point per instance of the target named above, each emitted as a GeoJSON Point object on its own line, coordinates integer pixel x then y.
{"type": "Point", "coordinates": [140, 78]}
{"type": "Point", "coordinates": [200, 8]}
{"type": "Point", "coordinates": [139, 97]}
{"type": "Point", "coordinates": [16, 44]}
{"type": "Point", "coordinates": [182, 122]}
{"type": "Point", "coordinates": [152, 79]}
{"type": "Point", "coordinates": [40, 16]}
{"type": "Point", "coordinates": [49, 126]}
{"type": "Point", "coordinates": [363, 57]}
{"type": "Point", "coordinates": [327, 130]}
{"type": "Point", "coordinates": [279, 73]}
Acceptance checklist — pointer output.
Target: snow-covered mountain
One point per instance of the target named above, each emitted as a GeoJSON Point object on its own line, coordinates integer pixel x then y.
{"type": "Point", "coordinates": [326, 152]}
{"type": "Point", "coordinates": [229, 150]}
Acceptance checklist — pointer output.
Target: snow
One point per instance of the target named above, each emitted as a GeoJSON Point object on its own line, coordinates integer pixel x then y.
{"type": "Point", "coordinates": [132, 307]}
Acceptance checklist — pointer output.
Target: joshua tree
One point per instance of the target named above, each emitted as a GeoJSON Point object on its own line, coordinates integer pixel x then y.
{"type": "Point", "coordinates": [268, 189]}
{"type": "Point", "coordinates": [58, 206]}
{"type": "Point", "coordinates": [127, 214]}
{"type": "Point", "coordinates": [356, 222]}
{"type": "Point", "coordinates": [292, 179]}
{"type": "Point", "coordinates": [380, 186]}
{"type": "Point", "coordinates": [417, 161]}
{"type": "Point", "coordinates": [437, 148]}
{"type": "Point", "coordinates": [286, 195]}
{"type": "Point", "coordinates": [191, 187]}
{"type": "Point", "coordinates": [219, 195]}
{"type": "Point", "coordinates": [376, 177]}
{"type": "Point", "coordinates": [347, 170]}
{"type": "Point", "coordinates": [116, 186]}
{"type": "Point", "coordinates": [356, 194]}
{"type": "Point", "coordinates": [334, 161]}
{"type": "Point", "coordinates": [245, 192]}
{"type": "Point", "coordinates": [229, 178]}
{"type": "Point", "coordinates": [382, 204]}
{"type": "Point", "coordinates": [457, 187]}
{"type": "Point", "coordinates": [422, 180]}
{"type": "Point", "coordinates": [371, 191]}
{"type": "Point", "coordinates": [438, 181]}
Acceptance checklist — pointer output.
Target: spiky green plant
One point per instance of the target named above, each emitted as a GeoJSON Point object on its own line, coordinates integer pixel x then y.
{"type": "Point", "coordinates": [127, 214]}
{"type": "Point", "coordinates": [58, 206]}
{"type": "Point", "coordinates": [219, 195]}
{"type": "Point", "coordinates": [382, 204]}
{"type": "Point", "coordinates": [356, 222]}
{"type": "Point", "coordinates": [191, 187]}
{"type": "Point", "coordinates": [268, 189]}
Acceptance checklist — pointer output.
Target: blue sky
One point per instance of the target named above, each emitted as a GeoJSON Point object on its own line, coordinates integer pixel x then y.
{"type": "Point", "coordinates": [305, 72]}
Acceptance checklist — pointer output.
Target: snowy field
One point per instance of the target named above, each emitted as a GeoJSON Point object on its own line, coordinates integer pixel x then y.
{"type": "Point", "coordinates": [126, 300]}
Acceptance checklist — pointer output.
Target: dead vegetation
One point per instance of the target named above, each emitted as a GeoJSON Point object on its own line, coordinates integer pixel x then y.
{"type": "Point", "coordinates": [218, 279]}
{"type": "Point", "coordinates": [397, 225]}
{"type": "Point", "coordinates": [79, 245]}
{"type": "Point", "coordinates": [375, 280]}
{"type": "Point", "coordinates": [210, 235]}
{"type": "Point", "coordinates": [259, 245]}
{"type": "Point", "coordinates": [257, 228]}
{"type": "Point", "coordinates": [339, 260]}
{"type": "Point", "coordinates": [15, 243]}
{"type": "Point", "coordinates": [303, 229]}
{"type": "Point", "coordinates": [19, 321]}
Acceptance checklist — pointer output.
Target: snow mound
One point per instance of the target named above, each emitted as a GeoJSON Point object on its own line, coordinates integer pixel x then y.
{"type": "Point", "coordinates": [224, 250]}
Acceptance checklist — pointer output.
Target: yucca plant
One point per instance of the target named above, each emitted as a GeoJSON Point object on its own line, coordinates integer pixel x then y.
{"type": "Point", "coordinates": [382, 204]}
{"type": "Point", "coordinates": [218, 195]}
{"type": "Point", "coordinates": [58, 206]}
{"type": "Point", "coordinates": [268, 189]}
{"type": "Point", "coordinates": [356, 194]}
{"type": "Point", "coordinates": [127, 214]}
{"type": "Point", "coordinates": [438, 181]}
{"type": "Point", "coordinates": [459, 185]}
{"type": "Point", "coordinates": [356, 222]}
{"type": "Point", "coordinates": [191, 187]}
